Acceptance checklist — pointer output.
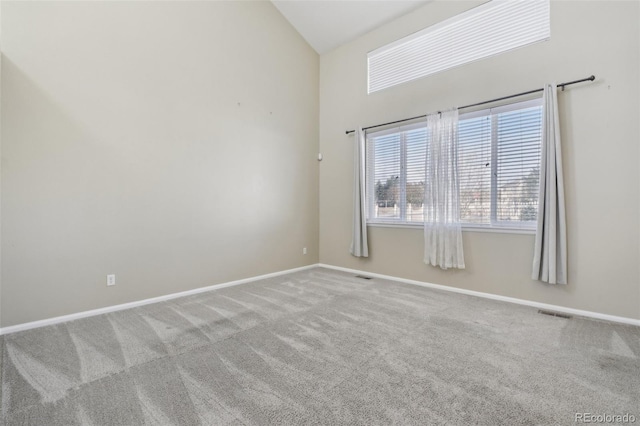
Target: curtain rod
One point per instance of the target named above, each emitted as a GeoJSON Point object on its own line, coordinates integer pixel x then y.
{"type": "Point", "coordinates": [591, 78]}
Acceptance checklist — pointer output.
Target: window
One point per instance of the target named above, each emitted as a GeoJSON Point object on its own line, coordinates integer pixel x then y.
{"type": "Point", "coordinates": [498, 160]}
{"type": "Point", "coordinates": [395, 173]}
{"type": "Point", "coordinates": [490, 29]}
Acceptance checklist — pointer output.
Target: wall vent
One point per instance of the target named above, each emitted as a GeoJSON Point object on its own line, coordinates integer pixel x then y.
{"type": "Point", "coordinates": [554, 314]}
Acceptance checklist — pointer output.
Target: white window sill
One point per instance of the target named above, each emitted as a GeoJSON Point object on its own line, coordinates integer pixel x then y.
{"type": "Point", "coordinates": [465, 228]}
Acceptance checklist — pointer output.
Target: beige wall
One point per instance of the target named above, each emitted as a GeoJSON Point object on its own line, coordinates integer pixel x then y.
{"type": "Point", "coordinates": [600, 146]}
{"type": "Point", "coordinates": [170, 143]}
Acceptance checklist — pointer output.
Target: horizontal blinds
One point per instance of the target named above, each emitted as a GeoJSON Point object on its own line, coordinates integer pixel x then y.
{"type": "Point", "coordinates": [416, 149]}
{"type": "Point", "coordinates": [487, 30]}
{"type": "Point", "coordinates": [383, 175]}
{"type": "Point", "coordinates": [518, 167]}
{"type": "Point", "coordinates": [395, 174]}
{"type": "Point", "coordinates": [474, 169]}
{"type": "Point", "coordinates": [498, 168]}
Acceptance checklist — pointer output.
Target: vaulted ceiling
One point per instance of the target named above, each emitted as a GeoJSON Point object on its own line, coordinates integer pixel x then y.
{"type": "Point", "coordinates": [327, 24]}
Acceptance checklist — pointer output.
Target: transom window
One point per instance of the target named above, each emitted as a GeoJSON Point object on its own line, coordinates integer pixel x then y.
{"type": "Point", "coordinates": [490, 29]}
{"type": "Point", "coordinates": [498, 161]}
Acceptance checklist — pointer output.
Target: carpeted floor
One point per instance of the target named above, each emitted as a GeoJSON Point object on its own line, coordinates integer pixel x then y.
{"type": "Point", "coordinates": [321, 347]}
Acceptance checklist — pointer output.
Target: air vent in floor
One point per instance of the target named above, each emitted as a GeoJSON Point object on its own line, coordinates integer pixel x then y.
{"type": "Point", "coordinates": [554, 314]}
{"type": "Point", "coordinates": [362, 277]}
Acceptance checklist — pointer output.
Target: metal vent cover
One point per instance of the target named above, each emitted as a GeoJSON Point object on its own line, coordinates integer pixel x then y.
{"type": "Point", "coordinates": [554, 314]}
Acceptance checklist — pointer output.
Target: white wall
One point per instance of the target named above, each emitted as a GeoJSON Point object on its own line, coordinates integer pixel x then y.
{"type": "Point", "coordinates": [170, 143]}
{"type": "Point", "coordinates": [600, 134]}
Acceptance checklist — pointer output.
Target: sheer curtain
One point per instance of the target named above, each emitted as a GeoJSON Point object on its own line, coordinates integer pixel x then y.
{"type": "Point", "coordinates": [442, 228]}
{"type": "Point", "coordinates": [359, 244]}
{"type": "Point", "coordinates": [550, 253]}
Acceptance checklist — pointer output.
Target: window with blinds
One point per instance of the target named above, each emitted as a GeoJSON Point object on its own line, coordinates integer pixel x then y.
{"type": "Point", "coordinates": [499, 165]}
{"type": "Point", "coordinates": [395, 174]}
{"type": "Point", "coordinates": [498, 162]}
{"type": "Point", "coordinates": [490, 29]}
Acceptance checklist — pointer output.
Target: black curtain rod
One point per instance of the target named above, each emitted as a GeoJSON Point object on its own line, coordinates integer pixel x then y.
{"type": "Point", "coordinates": [591, 78]}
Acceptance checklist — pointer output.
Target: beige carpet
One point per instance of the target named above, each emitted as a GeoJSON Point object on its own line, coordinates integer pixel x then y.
{"type": "Point", "coordinates": [321, 347]}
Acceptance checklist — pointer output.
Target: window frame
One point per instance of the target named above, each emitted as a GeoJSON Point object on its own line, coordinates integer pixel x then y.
{"type": "Point", "coordinates": [494, 225]}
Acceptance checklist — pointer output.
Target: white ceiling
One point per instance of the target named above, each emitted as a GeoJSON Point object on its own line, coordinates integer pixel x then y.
{"type": "Point", "coordinates": [327, 24]}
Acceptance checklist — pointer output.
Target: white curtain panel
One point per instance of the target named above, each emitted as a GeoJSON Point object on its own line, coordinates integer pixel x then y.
{"type": "Point", "coordinates": [550, 254]}
{"type": "Point", "coordinates": [359, 244]}
{"type": "Point", "coordinates": [442, 228]}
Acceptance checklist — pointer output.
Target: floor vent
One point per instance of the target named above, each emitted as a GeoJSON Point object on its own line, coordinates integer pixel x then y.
{"type": "Point", "coordinates": [554, 314]}
{"type": "Point", "coordinates": [362, 277]}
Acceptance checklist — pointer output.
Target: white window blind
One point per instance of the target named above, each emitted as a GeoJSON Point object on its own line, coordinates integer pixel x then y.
{"type": "Point", "coordinates": [499, 163]}
{"type": "Point", "coordinates": [474, 168]}
{"type": "Point", "coordinates": [498, 160]}
{"type": "Point", "coordinates": [487, 30]}
{"type": "Point", "coordinates": [395, 174]}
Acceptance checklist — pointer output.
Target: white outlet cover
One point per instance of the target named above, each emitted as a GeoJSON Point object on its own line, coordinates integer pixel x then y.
{"type": "Point", "coordinates": [111, 279]}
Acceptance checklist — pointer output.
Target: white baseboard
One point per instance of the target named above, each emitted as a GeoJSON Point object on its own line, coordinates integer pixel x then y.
{"type": "Point", "coordinates": [556, 308]}
{"type": "Point", "coordinates": [105, 310]}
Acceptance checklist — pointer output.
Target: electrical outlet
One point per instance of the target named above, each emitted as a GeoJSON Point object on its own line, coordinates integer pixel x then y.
{"type": "Point", "coordinates": [304, 250]}
{"type": "Point", "coordinates": [111, 279]}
